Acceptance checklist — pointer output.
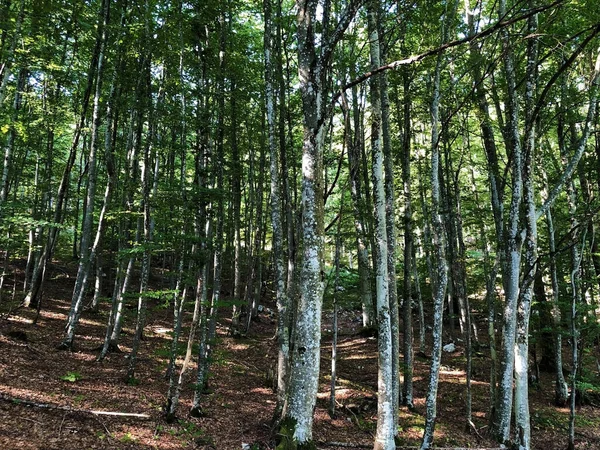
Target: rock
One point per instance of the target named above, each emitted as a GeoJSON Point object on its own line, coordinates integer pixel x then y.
{"type": "Point", "coordinates": [449, 348]}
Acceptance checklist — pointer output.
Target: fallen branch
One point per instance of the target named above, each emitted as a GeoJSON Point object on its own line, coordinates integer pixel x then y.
{"type": "Point", "coordinates": [474, 428]}
{"type": "Point", "coordinates": [344, 444]}
{"type": "Point", "coordinates": [19, 401]}
{"type": "Point", "coordinates": [352, 445]}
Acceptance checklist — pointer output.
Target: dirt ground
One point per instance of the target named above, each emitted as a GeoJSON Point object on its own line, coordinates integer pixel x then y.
{"type": "Point", "coordinates": [240, 404]}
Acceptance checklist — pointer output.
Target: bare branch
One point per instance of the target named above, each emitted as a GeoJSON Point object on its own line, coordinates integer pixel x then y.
{"type": "Point", "coordinates": [434, 51]}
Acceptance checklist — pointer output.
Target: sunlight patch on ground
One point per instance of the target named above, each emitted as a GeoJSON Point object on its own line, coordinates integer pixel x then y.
{"type": "Point", "coordinates": [263, 391]}
{"type": "Point", "coordinates": [358, 357]}
{"type": "Point", "coordinates": [91, 322]}
{"type": "Point", "coordinates": [19, 319]}
{"type": "Point", "coordinates": [452, 371]}
{"type": "Point", "coordinates": [162, 330]}
{"type": "Point", "coordinates": [351, 343]}
{"type": "Point", "coordinates": [64, 307]}
{"type": "Point", "coordinates": [340, 394]}
{"type": "Point", "coordinates": [51, 315]}
{"type": "Point", "coordinates": [419, 401]}
{"type": "Point", "coordinates": [238, 347]}
{"type": "Point", "coordinates": [84, 356]}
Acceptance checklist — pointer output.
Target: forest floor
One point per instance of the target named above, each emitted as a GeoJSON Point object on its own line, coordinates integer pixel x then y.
{"type": "Point", "coordinates": [240, 403]}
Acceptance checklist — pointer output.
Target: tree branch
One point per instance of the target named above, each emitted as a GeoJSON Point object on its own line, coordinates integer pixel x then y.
{"type": "Point", "coordinates": [580, 149]}
{"type": "Point", "coordinates": [434, 51]}
{"type": "Point", "coordinates": [346, 17]}
{"type": "Point", "coordinates": [558, 73]}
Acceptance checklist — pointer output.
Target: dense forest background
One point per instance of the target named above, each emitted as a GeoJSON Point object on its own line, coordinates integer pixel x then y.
{"type": "Point", "coordinates": [431, 167]}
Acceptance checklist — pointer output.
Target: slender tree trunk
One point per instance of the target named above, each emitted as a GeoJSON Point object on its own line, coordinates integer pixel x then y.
{"type": "Point", "coordinates": [386, 406]}
{"type": "Point", "coordinates": [408, 351]}
{"type": "Point", "coordinates": [147, 186]}
{"type": "Point", "coordinates": [526, 295]}
{"type": "Point", "coordinates": [276, 220]}
{"type": "Point", "coordinates": [576, 257]}
{"type": "Point", "coordinates": [33, 296]}
{"type": "Point", "coordinates": [334, 339]}
{"type": "Point", "coordinates": [560, 387]}
{"type": "Point", "coordinates": [390, 216]}
{"type": "Point", "coordinates": [203, 226]}
{"type": "Point", "coordinates": [359, 206]}
{"type": "Point", "coordinates": [5, 181]}
{"type": "Point", "coordinates": [253, 293]}
{"type": "Point", "coordinates": [440, 276]}
{"type": "Point", "coordinates": [236, 206]}
{"type": "Point", "coordinates": [89, 248]}
{"type": "Point", "coordinates": [511, 254]}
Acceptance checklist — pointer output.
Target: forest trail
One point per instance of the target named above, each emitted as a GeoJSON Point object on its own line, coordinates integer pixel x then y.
{"type": "Point", "coordinates": [240, 402]}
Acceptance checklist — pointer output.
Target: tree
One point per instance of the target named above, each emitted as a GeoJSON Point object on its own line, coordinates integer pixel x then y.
{"type": "Point", "coordinates": [387, 400]}
{"type": "Point", "coordinates": [313, 72]}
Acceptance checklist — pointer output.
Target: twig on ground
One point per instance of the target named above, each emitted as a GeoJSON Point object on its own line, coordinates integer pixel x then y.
{"type": "Point", "coordinates": [108, 435]}
{"type": "Point", "coordinates": [61, 424]}
{"type": "Point", "coordinates": [31, 420]}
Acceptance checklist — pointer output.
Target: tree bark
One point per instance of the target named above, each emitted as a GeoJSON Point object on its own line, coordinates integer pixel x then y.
{"type": "Point", "coordinates": [276, 220]}
{"type": "Point", "coordinates": [386, 407]}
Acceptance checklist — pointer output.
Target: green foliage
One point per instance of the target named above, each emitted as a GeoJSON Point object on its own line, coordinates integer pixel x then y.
{"type": "Point", "coordinates": [71, 377]}
{"type": "Point", "coordinates": [549, 419]}
{"type": "Point", "coordinates": [128, 438]}
{"type": "Point", "coordinates": [101, 435]}
{"type": "Point", "coordinates": [164, 351]}
{"type": "Point", "coordinates": [230, 302]}
{"type": "Point", "coordinates": [220, 356]}
{"type": "Point", "coordinates": [346, 293]}
{"type": "Point", "coordinates": [188, 430]}
{"type": "Point", "coordinates": [133, 381]}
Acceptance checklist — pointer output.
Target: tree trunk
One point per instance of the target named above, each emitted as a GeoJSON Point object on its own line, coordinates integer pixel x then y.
{"type": "Point", "coordinates": [386, 407]}
{"type": "Point", "coordinates": [440, 276]}
{"type": "Point", "coordinates": [89, 249]}
{"type": "Point", "coordinates": [359, 208]}
{"type": "Point", "coordinates": [531, 255]}
{"type": "Point", "coordinates": [276, 220]}
{"type": "Point", "coordinates": [304, 373]}
{"type": "Point", "coordinates": [408, 350]}
{"type": "Point", "coordinates": [511, 254]}
{"type": "Point", "coordinates": [390, 216]}
{"type": "Point", "coordinates": [147, 185]}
